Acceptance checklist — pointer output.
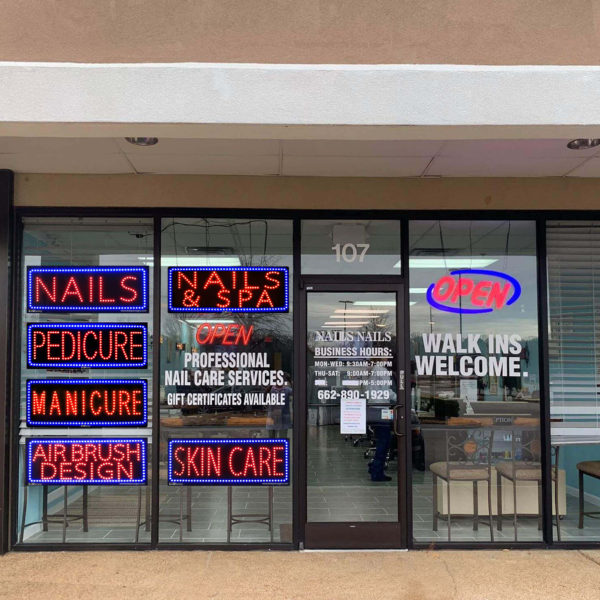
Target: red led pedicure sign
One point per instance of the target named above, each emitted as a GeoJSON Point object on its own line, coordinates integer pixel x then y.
{"type": "Point", "coordinates": [106, 461]}
{"type": "Point", "coordinates": [87, 402]}
{"type": "Point", "coordinates": [229, 461]}
{"type": "Point", "coordinates": [87, 289]}
{"type": "Point", "coordinates": [94, 345]}
{"type": "Point", "coordinates": [228, 289]}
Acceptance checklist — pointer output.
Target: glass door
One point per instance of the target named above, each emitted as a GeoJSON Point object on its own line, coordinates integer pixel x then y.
{"type": "Point", "coordinates": [355, 417]}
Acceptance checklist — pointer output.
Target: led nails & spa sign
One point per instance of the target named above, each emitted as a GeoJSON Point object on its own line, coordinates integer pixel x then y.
{"type": "Point", "coordinates": [228, 289]}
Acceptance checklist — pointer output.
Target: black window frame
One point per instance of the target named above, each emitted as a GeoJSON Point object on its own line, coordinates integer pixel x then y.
{"type": "Point", "coordinates": [10, 247]}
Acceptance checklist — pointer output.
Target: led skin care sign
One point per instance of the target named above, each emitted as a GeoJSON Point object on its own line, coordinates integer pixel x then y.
{"type": "Point", "coordinates": [228, 289]}
{"type": "Point", "coordinates": [87, 402]}
{"type": "Point", "coordinates": [106, 461]}
{"type": "Point", "coordinates": [95, 345]}
{"type": "Point", "coordinates": [229, 461]}
{"type": "Point", "coordinates": [87, 289]}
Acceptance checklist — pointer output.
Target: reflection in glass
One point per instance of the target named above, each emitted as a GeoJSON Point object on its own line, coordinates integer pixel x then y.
{"type": "Point", "coordinates": [475, 381]}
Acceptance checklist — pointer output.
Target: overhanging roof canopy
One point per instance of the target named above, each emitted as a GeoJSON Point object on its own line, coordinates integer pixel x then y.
{"type": "Point", "coordinates": [299, 101]}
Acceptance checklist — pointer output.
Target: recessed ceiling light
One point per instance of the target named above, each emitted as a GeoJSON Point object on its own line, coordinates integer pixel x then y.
{"type": "Point", "coordinates": [583, 143]}
{"type": "Point", "coordinates": [142, 141]}
{"type": "Point", "coordinates": [450, 262]}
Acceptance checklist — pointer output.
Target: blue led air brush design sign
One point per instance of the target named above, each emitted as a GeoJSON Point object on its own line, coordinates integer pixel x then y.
{"type": "Point", "coordinates": [87, 402]}
{"type": "Point", "coordinates": [87, 289]}
{"type": "Point", "coordinates": [229, 461]}
{"type": "Point", "coordinates": [92, 345]}
{"type": "Point", "coordinates": [85, 461]}
{"type": "Point", "coordinates": [460, 293]}
{"type": "Point", "coordinates": [228, 289]}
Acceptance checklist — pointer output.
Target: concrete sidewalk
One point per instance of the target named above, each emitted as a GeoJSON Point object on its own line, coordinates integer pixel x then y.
{"type": "Point", "coordinates": [474, 575]}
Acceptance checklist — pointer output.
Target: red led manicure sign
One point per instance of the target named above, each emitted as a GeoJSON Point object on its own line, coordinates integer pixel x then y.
{"type": "Point", "coordinates": [228, 289]}
{"type": "Point", "coordinates": [86, 461]}
{"type": "Point", "coordinates": [94, 345]}
{"type": "Point", "coordinates": [87, 402]}
{"type": "Point", "coordinates": [87, 289]}
{"type": "Point", "coordinates": [229, 462]}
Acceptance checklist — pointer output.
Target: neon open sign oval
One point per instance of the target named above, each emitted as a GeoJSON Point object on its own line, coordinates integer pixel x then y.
{"type": "Point", "coordinates": [460, 293]}
{"type": "Point", "coordinates": [87, 289]}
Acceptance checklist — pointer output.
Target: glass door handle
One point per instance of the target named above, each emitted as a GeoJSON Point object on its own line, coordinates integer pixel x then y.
{"type": "Point", "coordinates": [398, 416]}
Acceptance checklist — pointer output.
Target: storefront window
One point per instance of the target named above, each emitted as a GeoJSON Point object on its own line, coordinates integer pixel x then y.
{"type": "Point", "coordinates": [475, 382]}
{"type": "Point", "coordinates": [85, 384]}
{"type": "Point", "coordinates": [226, 368]}
{"type": "Point", "coordinates": [574, 344]}
{"type": "Point", "coordinates": [344, 247]}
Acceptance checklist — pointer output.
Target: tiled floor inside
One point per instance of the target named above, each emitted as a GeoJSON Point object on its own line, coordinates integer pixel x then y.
{"type": "Point", "coordinates": [339, 489]}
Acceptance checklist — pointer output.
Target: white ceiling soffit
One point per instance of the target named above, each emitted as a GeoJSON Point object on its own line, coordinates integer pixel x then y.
{"type": "Point", "coordinates": [337, 158]}
{"type": "Point", "coordinates": [322, 102]}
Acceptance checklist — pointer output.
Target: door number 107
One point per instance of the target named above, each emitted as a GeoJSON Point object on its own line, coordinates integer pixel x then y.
{"type": "Point", "coordinates": [350, 252]}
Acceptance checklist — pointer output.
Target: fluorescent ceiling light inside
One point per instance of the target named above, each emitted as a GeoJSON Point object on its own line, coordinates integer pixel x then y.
{"type": "Point", "coordinates": [418, 290]}
{"type": "Point", "coordinates": [348, 324]}
{"type": "Point", "coordinates": [193, 261]}
{"type": "Point", "coordinates": [412, 303]}
{"type": "Point", "coordinates": [450, 262]}
{"type": "Point", "coordinates": [362, 310]}
{"type": "Point", "coordinates": [355, 317]}
{"type": "Point", "coordinates": [351, 319]}
{"type": "Point", "coordinates": [199, 321]}
{"type": "Point", "coordinates": [374, 303]}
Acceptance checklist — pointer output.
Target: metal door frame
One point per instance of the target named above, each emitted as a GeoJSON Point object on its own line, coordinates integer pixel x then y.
{"type": "Point", "coordinates": [386, 534]}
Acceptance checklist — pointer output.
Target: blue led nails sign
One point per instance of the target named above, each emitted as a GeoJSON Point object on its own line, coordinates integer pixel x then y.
{"type": "Point", "coordinates": [87, 402]}
{"type": "Point", "coordinates": [93, 345]}
{"type": "Point", "coordinates": [251, 461]}
{"type": "Point", "coordinates": [228, 289]}
{"type": "Point", "coordinates": [87, 289]}
{"type": "Point", "coordinates": [85, 461]}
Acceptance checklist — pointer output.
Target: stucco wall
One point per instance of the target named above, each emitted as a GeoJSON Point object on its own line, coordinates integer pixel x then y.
{"type": "Point", "coordinates": [306, 192]}
{"type": "Point", "coordinates": [302, 31]}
